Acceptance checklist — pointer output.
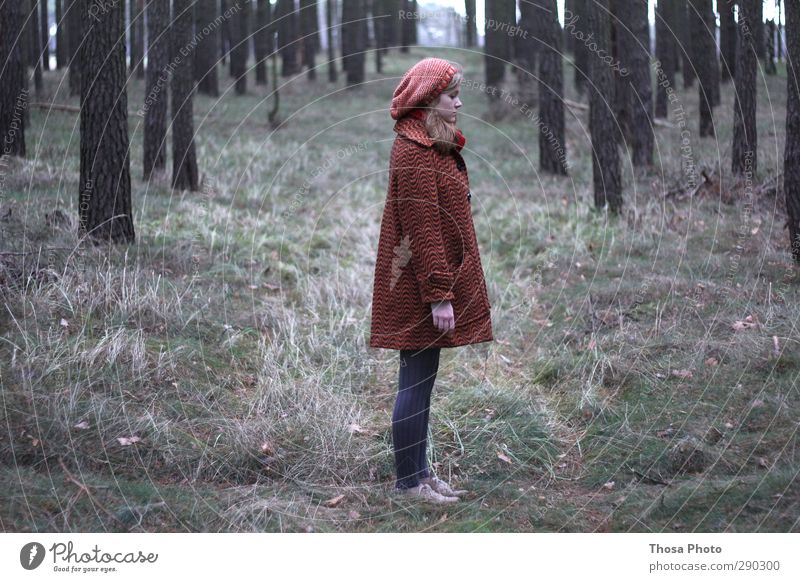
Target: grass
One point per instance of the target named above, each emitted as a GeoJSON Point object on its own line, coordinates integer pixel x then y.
{"type": "Point", "coordinates": [230, 339]}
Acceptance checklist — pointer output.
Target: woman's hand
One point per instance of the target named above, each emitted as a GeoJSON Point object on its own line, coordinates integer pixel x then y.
{"type": "Point", "coordinates": [443, 318]}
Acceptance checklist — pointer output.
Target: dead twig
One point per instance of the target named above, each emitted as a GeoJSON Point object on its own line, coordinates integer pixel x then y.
{"type": "Point", "coordinates": [85, 490]}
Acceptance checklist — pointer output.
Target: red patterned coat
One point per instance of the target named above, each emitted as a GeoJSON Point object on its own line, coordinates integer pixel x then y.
{"type": "Point", "coordinates": [427, 249]}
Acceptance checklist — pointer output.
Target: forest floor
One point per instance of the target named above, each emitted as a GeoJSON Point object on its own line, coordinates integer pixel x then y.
{"type": "Point", "coordinates": [215, 375]}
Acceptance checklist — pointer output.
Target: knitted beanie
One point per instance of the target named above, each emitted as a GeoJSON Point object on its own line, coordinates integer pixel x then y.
{"type": "Point", "coordinates": [421, 84]}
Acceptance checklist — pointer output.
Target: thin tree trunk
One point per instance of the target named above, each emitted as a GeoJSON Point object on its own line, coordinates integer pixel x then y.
{"type": "Point", "coordinates": [308, 21]}
{"type": "Point", "coordinates": [771, 68]}
{"type": "Point", "coordinates": [286, 19]}
{"type": "Point", "coordinates": [665, 54]}
{"type": "Point", "coordinates": [75, 37]}
{"type": "Point", "coordinates": [184, 158]}
{"type": "Point", "coordinates": [471, 32]}
{"type": "Point", "coordinates": [791, 154]}
{"type": "Point", "coordinates": [634, 43]}
{"type": "Point", "coordinates": [36, 45]}
{"type": "Point", "coordinates": [239, 45]}
{"type": "Point", "coordinates": [686, 16]}
{"type": "Point", "coordinates": [155, 104]}
{"type": "Point", "coordinates": [333, 75]}
{"type": "Point", "coordinates": [105, 185]}
{"type": "Point", "coordinates": [606, 170]}
{"type": "Point", "coordinates": [354, 41]}
{"type": "Point", "coordinates": [13, 93]}
{"type": "Point", "coordinates": [703, 45]}
{"type": "Point", "coordinates": [497, 47]}
{"type": "Point", "coordinates": [44, 34]}
{"type": "Point", "coordinates": [62, 49]}
{"type": "Point", "coordinates": [262, 41]}
{"type": "Point", "coordinates": [745, 143]}
{"type": "Point", "coordinates": [727, 39]}
{"type": "Point", "coordinates": [576, 27]}
{"type": "Point", "coordinates": [552, 145]}
{"type": "Point", "coordinates": [206, 51]}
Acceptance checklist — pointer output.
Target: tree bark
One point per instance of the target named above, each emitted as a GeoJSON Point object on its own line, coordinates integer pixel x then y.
{"type": "Point", "coordinates": [224, 31]}
{"type": "Point", "coordinates": [184, 158]}
{"type": "Point", "coordinates": [308, 26]}
{"type": "Point", "coordinates": [606, 170]}
{"type": "Point", "coordinates": [13, 94]}
{"type": "Point", "coordinates": [262, 41]}
{"type": "Point", "coordinates": [206, 53]}
{"type": "Point", "coordinates": [791, 154]}
{"type": "Point", "coordinates": [105, 186]}
{"type": "Point", "coordinates": [471, 33]}
{"type": "Point", "coordinates": [665, 54]}
{"type": "Point", "coordinates": [333, 74]}
{"type": "Point", "coordinates": [75, 38]}
{"type": "Point", "coordinates": [44, 34]}
{"type": "Point", "coordinates": [575, 26]}
{"type": "Point", "coordinates": [286, 19]}
{"type": "Point", "coordinates": [703, 45]}
{"type": "Point", "coordinates": [637, 100]}
{"type": "Point", "coordinates": [239, 44]}
{"type": "Point", "coordinates": [745, 142]}
{"type": "Point", "coordinates": [727, 39]}
{"type": "Point", "coordinates": [35, 44]}
{"type": "Point", "coordinates": [500, 16]}
{"type": "Point", "coordinates": [552, 146]}
{"type": "Point", "coordinates": [771, 68]}
{"type": "Point", "coordinates": [686, 16]}
{"type": "Point", "coordinates": [155, 105]}
{"type": "Point", "coordinates": [62, 49]}
{"type": "Point", "coordinates": [354, 41]}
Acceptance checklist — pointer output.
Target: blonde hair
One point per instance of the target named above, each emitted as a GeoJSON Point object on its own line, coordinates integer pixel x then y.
{"type": "Point", "coordinates": [441, 131]}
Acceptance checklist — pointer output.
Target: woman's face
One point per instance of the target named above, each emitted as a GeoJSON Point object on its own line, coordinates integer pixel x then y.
{"type": "Point", "coordinates": [448, 104]}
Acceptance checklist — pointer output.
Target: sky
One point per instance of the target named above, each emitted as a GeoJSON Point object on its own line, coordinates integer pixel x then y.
{"type": "Point", "coordinates": [769, 9]}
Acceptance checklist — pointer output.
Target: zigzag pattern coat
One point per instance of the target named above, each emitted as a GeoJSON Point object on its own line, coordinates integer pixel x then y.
{"type": "Point", "coordinates": [427, 249]}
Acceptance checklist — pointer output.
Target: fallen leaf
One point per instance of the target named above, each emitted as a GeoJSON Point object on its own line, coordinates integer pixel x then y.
{"type": "Point", "coordinates": [712, 362]}
{"type": "Point", "coordinates": [83, 425]}
{"type": "Point", "coordinates": [353, 514]}
{"type": "Point", "coordinates": [64, 322]}
{"type": "Point", "coordinates": [355, 428]}
{"type": "Point", "coordinates": [747, 323]}
{"type": "Point", "coordinates": [126, 441]}
{"type": "Point", "coordinates": [267, 448]}
{"type": "Point", "coordinates": [334, 501]}
{"type": "Point", "coordinates": [609, 485]}
{"type": "Point", "coordinates": [762, 462]}
{"type": "Point", "coordinates": [502, 457]}
{"type": "Point", "coordinates": [686, 374]}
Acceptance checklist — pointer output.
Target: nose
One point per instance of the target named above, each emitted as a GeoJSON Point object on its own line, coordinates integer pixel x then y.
{"type": "Point", "coordinates": [457, 103]}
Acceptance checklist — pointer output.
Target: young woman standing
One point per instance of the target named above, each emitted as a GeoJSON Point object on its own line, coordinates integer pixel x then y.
{"type": "Point", "coordinates": [429, 290]}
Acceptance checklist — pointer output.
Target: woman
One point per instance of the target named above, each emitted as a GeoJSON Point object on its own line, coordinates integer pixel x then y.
{"type": "Point", "coordinates": [429, 291]}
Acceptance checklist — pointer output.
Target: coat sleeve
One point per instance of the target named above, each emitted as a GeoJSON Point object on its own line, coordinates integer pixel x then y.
{"type": "Point", "coordinates": [418, 207]}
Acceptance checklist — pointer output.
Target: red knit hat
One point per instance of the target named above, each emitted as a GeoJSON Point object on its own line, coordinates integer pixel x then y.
{"type": "Point", "coordinates": [421, 84]}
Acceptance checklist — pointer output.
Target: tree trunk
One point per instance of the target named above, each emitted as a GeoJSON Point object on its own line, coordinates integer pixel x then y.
{"type": "Point", "coordinates": [133, 37]}
{"type": "Point", "coordinates": [333, 75]}
{"type": "Point", "coordinates": [62, 49]}
{"type": "Point", "coordinates": [184, 159]}
{"type": "Point", "coordinates": [771, 68]}
{"type": "Point", "coordinates": [13, 94]}
{"type": "Point", "coordinates": [308, 22]}
{"type": "Point", "coordinates": [703, 45]}
{"type": "Point", "coordinates": [155, 104]}
{"type": "Point", "coordinates": [575, 27]}
{"type": "Point", "coordinates": [713, 62]}
{"type": "Point", "coordinates": [408, 27]}
{"type": "Point", "coordinates": [262, 41]}
{"type": "Point", "coordinates": [745, 143]}
{"type": "Point", "coordinates": [286, 18]}
{"type": "Point", "coordinates": [378, 16]}
{"type": "Point", "coordinates": [552, 146]}
{"type": "Point", "coordinates": [665, 54]}
{"type": "Point", "coordinates": [500, 16]}
{"type": "Point", "coordinates": [471, 33]}
{"type": "Point", "coordinates": [727, 38]}
{"type": "Point", "coordinates": [636, 101]}
{"type": "Point", "coordinates": [206, 51]}
{"type": "Point", "coordinates": [35, 44]}
{"type": "Point", "coordinates": [105, 185]}
{"type": "Point", "coordinates": [75, 37]}
{"type": "Point", "coordinates": [239, 44]}
{"type": "Point", "coordinates": [791, 155]}
{"type": "Point", "coordinates": [44, 34]}
{"type": "Point", "coordinates": [606, 170]}
{"type": "Point", "coordinates": [686, 16]}
{"type": "Point", "coordinates": [354, 41]}
{"type": "Point", "coordinates": [760, 39]}
{"type": "Point", "coordinates": [224, 31]}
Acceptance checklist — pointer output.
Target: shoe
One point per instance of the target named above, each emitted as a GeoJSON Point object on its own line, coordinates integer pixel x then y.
{"type": "Point", "coordinates": [442, 487]}
{"type": "Point", "coordinates": [424, 492]}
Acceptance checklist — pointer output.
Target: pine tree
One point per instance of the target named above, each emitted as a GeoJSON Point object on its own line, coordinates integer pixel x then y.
{"type": "Point", "coordinates": [745, 142]}
{"type": "Point", "coordinates": [184, 159]}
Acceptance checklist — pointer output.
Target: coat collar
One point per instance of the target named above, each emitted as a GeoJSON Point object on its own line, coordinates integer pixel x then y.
{"type": "Point", "coordinates": [412, 126]}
